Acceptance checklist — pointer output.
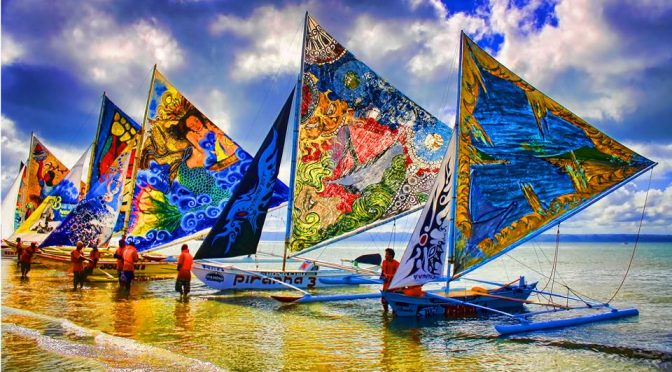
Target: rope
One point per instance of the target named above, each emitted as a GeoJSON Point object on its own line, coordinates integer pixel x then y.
{"type": "Point", "coordinates": [390, 243]}
{"type": "Point", "coordinates": [634, 249]}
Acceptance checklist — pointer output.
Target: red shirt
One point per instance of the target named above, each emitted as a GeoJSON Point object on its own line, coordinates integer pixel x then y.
{"type": "Point", "coordinates": [389, 268]}
{"type": "Point", "coordinates": [184, 262]}
{"type": "Point", "coordinates": [27, 255]}
{"type": "Point", "coordinates": [120, 261]}
{"type": "Point", "coordinates": [130, 258]}
{"type": "Point", "coordinates": [19, 249]}
{"type": "Point", "coordinates": [77, 257]}
{"type": "Point", "coordinates": [94, 256]}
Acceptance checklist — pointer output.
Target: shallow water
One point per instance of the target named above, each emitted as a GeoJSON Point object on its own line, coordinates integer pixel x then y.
{"type": "Point", "coordinates": [45, 325]}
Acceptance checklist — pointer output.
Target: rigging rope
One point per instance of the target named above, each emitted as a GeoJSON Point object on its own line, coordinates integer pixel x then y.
{"type": "Point", "coordinates": [634, 249]}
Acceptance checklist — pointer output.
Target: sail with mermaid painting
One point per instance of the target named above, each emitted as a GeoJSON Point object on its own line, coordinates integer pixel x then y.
{"type": "Point", "coordinates": [186, 172]}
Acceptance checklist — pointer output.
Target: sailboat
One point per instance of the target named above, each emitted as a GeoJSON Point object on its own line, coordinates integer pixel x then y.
{"type": "Point", "coordinates": [8, 212]}
{"type": "Point", "coordinates": [185, 170]}
{"type": "Point", "coordinates": [521, 164]}
{"type": "Point", "coordinates": [42, 174]}
{"type": "Point", "coordinates": [185, 173]}
{"type": "Point", "coordinates": [363, 155]}
{"type": "Point", "coordinates": [54, 208]}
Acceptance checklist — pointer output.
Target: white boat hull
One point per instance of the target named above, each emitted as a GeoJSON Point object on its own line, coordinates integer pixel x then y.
{"type": "Point", "coordinates": [8, 252]}
{"type": "Point", "coordinates": [226, 277]}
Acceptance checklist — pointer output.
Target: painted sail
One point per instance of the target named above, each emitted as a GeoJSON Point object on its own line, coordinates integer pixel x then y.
{"type": "Point", "coordinates": [238, 228]}
{"type": "Point", "coordinates": [187, 171]}
{"type": "Point", "coordinates": [55, 207]}
{"type": "Point", "coordinates": [525, 163]}
{"type": "Point", "coordinates": [43, 172]}
{"type": "Point", "coordinates": [424, 259]}
{"type": "Point", "coordinates": [94, 217]}
{"type": "Point", "coordinates": [9, 204]}
{"type": "Point", "coordinates": [116, 132]}
{"type": "Point", "coordinates": [366, 153]}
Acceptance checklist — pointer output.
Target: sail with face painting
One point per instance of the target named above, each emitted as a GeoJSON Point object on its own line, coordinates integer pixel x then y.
{"type": "Point", "coordinates": [238, 228]}
{"type": "Point", "coordinates": [43, 172]}
{"type": "Point", "coordinates": [187, 170]}
{"type": "Point", "coordinates": [116, 132]}
{"type": "Point", "coordinates": [55, 207]}
{"type": "Point", "coordinates": [94, 217]}
{"type": "Point", "coordinates": [366, 153]}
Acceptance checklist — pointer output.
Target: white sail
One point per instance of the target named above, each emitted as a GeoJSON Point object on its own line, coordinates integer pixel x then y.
{"type": "Point", "coordinates": [9, 205]}
{"type": "Point", "coordinates": [425, 256]}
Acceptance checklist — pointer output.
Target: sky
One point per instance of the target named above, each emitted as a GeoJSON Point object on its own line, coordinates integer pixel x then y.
{"type": "Point", "coordinates": [609, 61]}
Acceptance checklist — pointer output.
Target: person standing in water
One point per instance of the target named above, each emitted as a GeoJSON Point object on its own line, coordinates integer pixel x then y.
{"type": "Point", "coordinates": [19, 251]}
{"type": "Point", "coordinates": [77, 258]}
{"type": "Point", "coordinates": [389, 268]}
{"type": "Point", "coordinates": [184, 263]}
{"type": "Point", "coordinates": [119, 255]}
{"type": "Point", "coordinates": [130, 258]}
{"type": "Point", "coordinates": [26, 259]}
{"type": "Point", "coordinates": [94, 256]}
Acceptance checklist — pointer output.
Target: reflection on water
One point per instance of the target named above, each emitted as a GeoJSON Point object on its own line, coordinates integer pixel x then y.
{"type": "Point", "coordinates": [46, 325]}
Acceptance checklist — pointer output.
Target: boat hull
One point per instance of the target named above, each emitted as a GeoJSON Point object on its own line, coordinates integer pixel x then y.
{"type": "Point", "coordinates": [226, 278]}
{"type": "Point", "coordinates": [106, 270]}
{"type": "Point", "coordinates": [9, 252]}
{"type": "Point", "coordinates": [509, 299]}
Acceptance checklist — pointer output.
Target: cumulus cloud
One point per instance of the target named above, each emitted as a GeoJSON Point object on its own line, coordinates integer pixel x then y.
{"type": "Point", "coordinates": [110, 52]}
{"type": "Point", "coordinates": [275, 46]}
{"type": "Point", "coordinates": [659, 153]}
{"type": "Point", "coordinates": [11, 50]}
{"type": "Point", "coordinates": [583, 46]}
{"type": "Point", "coordinates": [621, 211]}
{"type": "Point", "coordinates": [14, 150]}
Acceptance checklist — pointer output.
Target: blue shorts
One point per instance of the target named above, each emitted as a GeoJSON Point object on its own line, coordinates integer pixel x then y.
{"type": "Point", "coordinates": [127, 276]}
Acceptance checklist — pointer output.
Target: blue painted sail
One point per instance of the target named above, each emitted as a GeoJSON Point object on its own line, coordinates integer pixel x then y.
{"type": "Point", "coordinates": [238, 229]}
{"type": "Point", "coordinates": [117, 132]}
{"type": "Point", "coordinates": [524, 162]}
{"type": "Point", "coordinates": [93, 219]}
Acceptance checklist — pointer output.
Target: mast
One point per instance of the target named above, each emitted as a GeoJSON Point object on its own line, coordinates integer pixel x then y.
{"type": "Point", "coordinates": [138, 149]}
{"type": "Point", "coordinates": [456, 133]}
{"type": "Point", "coordinates": [295, 139]}
{"type": "Point", "coordinates": [94, 145]}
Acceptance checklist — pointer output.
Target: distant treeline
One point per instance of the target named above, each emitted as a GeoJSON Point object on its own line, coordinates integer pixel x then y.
{"type": "Point", "coordinates": [573, 238]}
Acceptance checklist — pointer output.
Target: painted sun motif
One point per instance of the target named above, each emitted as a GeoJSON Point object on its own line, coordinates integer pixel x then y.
{"type": "Point", "coordinates": [433, 141]}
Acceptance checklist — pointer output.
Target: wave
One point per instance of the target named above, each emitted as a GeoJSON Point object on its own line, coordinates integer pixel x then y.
{"type": "Point", "coordinates": [131, 351]}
